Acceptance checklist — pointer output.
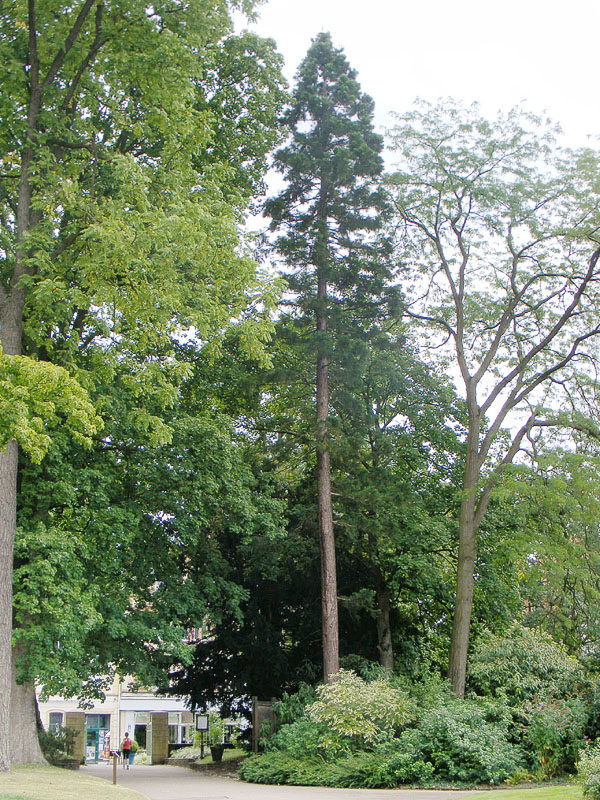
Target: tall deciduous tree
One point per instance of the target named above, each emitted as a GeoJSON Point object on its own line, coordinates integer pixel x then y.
{"type": "Point", "coordinates": [118, 210]}
{"type": "Point", "coordinates": [327, 216]}
{"type": "Point", "coordinates": [500, 230]}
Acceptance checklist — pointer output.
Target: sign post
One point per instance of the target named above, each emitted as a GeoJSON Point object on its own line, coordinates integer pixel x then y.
{"type": "Point", "coordinates": [202, 726]}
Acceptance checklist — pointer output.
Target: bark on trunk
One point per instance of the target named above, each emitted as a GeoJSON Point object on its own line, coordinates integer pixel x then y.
{"type": "Point", "coordinates": [11, 327]}
{"type": "Point", "coordinates": [384, 629]}
{"type": "Point", "coordinates": [467, 553]}
{"type": "Point", "coordinates": [331, 661]}
{"type": "Point", "coordinates": [329, 608]}
{"type": "Point", "coordinates": [24, 742]}
{"type": "Point", "coordinates": [8, 508]}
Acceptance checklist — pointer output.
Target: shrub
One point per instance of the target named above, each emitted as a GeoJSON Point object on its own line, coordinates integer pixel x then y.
{"type": "Point", "coordinates": [553, 734]}
{"type": "Point", "coordinates": [359, 770]}
{"type": "Point", "coordinates": [286, 711]}
{"type": "Point", "coordinates": [363, 712]}
{"type": "Point", "coordinates": [523, 665]}
{"type": "Point", "coordinates": [293, 706]}
{"type": "Point", "coordinates": [465, 741]}
{"type": "Point", "coordinates": [304, 737]}
{"type": "Point", "coordinates": [588, 770]}
{"type": "Point", "coordinates": [58, 745]}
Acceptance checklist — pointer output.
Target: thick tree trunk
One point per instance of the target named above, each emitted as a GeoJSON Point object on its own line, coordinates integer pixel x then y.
{"type": "Point", "coordinates": [12, 303]}
{"type": "Point", "coordinates": [384, 629]}
{"type": "Point", "coordinates": [10, 339]}
{"type": "Point", "coordinates": [465, 576]}
{"type": "Point", "coordinates": [8, 509]}
{"type": "Point", "coordinates": [24, 742]}
{"type": "Point", "coordinates": [329, 607]}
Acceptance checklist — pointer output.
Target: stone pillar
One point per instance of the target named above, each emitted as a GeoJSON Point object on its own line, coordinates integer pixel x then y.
{"type": "Point", "coordinates": [262, 710]}
{"type": "Point", "coordinates": [76, 720]}
{"type": "Point", "coordinates": [159, 722]}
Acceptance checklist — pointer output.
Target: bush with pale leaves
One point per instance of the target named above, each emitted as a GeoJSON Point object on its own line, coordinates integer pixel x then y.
{"type": "Point", "coordinates": [368, 712]}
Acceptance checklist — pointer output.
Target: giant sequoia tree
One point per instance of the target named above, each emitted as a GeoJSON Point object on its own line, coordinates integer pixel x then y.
{"type": "Point", "coordinates": [119, 202]}
{"type": "Point", "coordinates": [327, 218]}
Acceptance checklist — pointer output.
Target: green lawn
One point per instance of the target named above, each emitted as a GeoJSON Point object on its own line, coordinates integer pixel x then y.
{"type": "Point", "coordinates": [52, 783]}
{"type": "Point", "coordinates": [569, 791]}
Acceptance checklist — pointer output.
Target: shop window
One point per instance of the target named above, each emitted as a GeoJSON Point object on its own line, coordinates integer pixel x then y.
{"type": "Point", "coordinates": [97, 721]}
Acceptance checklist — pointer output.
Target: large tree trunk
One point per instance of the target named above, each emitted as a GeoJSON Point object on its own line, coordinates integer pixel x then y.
{"type": "Point", "coordinates": [467, 553]}
{"type": "Point", "coordinates": [10, 339]}
{"type": "Point", "coordinates": [329, 608]}
{"type": "Point", "coordinates": [24, 742]}
{"type": "Point", "coordinates": [384, 628]}
{"type": "Point", "coordinates": [8, 510]}
{"type": "Point", "coordinates": [12, 303]}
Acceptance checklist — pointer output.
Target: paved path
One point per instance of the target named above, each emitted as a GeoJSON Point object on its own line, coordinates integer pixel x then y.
{"type": "Point", "coordinates": [179, 783]}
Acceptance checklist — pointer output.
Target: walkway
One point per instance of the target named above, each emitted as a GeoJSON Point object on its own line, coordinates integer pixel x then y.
{"type": "Point", "coordinates": [179, 783]}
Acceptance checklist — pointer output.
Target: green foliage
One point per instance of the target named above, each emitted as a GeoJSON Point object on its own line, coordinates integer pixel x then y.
{"type": "Point", "coordinates": [58, 745]}
{"type": "Point", "coordinates": [522, 665]}
{"type": "Point", "coordinates": [119, 546]}
{"type": "Point", "coordinates": [465, 741]}
{"type": "Point", "coordinates": [304, 735]}
{"type": "Point", "coordinates": [545, 688]}
{"type": "Point", "coordinates": [293, 706]}
{"type": "Point", "coordinates": [35, 398]}
{"type": "Point", "coordinates": [553, 734]}
{"type": "Point", "coordinates": [588, 770]}
{"type": "Point", "coordinates": [361, 770]}
{"type": "Point", "coordinates": [216, 729]}
{"type": "Point", "coordinates": [363, 712]}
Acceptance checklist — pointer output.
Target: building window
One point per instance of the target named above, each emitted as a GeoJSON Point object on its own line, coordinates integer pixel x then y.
{"type": "Point", "coordinates": [97, 721]}
{"type": "Point", "coordinates": [55, 721]}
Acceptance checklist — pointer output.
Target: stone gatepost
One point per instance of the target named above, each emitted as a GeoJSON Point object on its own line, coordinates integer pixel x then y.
{"type": "Point", "coordinates": [76, 720]}
{"type": "Point", "coordinates": [159, 726]}
{"type": "Point", "coordinates": [262, 710]}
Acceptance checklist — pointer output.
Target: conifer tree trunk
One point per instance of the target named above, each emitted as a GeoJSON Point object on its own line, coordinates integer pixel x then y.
{"type": "Point", "coordinates": [384, 628]}
{"type": "Point", "coordinates": [329, 607]}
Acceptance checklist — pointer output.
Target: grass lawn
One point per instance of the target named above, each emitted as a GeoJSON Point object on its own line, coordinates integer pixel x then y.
{"type": "Point", "coordinates": [570, 791]}
{"type": "Point", "coordinates": [53, 783]}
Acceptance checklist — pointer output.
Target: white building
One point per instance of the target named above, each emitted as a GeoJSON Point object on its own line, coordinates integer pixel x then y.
{"type": "Point", "coordinates": [121, 710]}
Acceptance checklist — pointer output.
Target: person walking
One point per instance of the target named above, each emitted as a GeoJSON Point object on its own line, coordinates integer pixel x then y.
{"type": "Point", "coordinates": [126, 750]}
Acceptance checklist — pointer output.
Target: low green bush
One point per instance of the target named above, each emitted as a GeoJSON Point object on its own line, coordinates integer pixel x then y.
{"type": "Point", "coordinates": [553, 735]}
{"type": "Point", "coordinates": [58, 745]}
{"type": "Point", "coordinates": [356, 734]}
{"type": "Point", "coordinates": [360, 770]}
{"type": "Point", "coordinates": [304, 736]}
{"type": "Point", "coordinates": [465, 741]}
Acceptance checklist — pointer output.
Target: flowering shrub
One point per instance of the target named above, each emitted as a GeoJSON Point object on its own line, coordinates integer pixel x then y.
{"type": "Point", "coordinates": [365, 712]}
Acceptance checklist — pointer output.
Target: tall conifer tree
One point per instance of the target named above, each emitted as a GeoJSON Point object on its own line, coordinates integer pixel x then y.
{"type": "Point", "coordinates": [328, 219]}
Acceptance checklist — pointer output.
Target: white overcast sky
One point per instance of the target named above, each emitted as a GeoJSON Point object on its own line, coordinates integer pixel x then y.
{"type": "Point", "coordinates": [542, 54]}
